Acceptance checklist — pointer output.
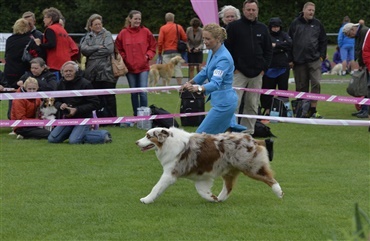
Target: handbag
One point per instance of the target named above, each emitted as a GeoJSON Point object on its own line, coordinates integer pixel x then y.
{"type": "Point", "coordinates": [357, 86]}
{"type": "Point", "coordinates": [181, 45]}
{"type": "Point", "coordinates": [118, 66]}
{"type": "Point", "coordinates": [26, 56]}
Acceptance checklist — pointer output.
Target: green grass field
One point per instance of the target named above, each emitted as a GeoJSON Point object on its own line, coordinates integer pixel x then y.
{"type": "Point", "coordinates": [92, 192]}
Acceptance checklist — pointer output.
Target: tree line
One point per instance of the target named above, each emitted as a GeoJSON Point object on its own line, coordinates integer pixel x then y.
{"type": "Point", "coordinates": [76, 12]}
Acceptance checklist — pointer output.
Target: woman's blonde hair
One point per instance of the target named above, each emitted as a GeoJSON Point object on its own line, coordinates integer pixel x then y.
{"type": "Point", "coordinates": [91, 19]}
{"type": "Point", "coordinates": [30, 80]}
{"type": "Point", "coordinates": [216, 31]}
{"type": "Point", "coordinates": [130, 16]}
{"type": "Point", "coordinates": [21, 26]}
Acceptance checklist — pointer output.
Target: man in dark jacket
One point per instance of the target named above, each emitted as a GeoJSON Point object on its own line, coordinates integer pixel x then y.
{"type": "Point", "coordinates": [309, 50]}
{"type": "Point", "coordinates": [73, 107]}
{"type": "Point", "coordinates": [249, 43]}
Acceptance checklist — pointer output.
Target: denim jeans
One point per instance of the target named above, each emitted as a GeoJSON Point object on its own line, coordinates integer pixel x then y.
{"type": "Point", "coordinates": [138, 81]}
{"type": "Point", "coordinates": [75, 134]}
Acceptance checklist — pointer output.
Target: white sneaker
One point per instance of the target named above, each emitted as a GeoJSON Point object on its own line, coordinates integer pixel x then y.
{"type": "Point", "coordinates": [20, 137]}
{"type": "Point", "coordinates": [12, 133]}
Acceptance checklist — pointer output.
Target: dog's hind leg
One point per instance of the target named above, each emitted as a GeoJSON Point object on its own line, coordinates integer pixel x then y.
{"type": "Point", "coordinates": [164, 182]}
{"type": "Point", "coordinates": [265, 175]}
{"type": "Point", "coordinates": [229, 182]}
{"type": "Point", "coordinates": [204, 189]}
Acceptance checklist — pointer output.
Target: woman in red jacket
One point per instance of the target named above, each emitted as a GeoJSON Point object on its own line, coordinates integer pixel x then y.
{"type": "Point", "coordinates": [27, 109]}
{"type": "Point", "coordinates": [137, 46]}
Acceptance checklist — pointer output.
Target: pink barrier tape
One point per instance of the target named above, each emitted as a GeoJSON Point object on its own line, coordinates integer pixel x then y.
{"type": "Point", "coordinates": [116, 120]}
{"type": "Point", "coordinates": [310, 96]}
{"type": "Point", "coordinates": [284, 93]}
{"type": "Point", "coordinates": [90, 121]}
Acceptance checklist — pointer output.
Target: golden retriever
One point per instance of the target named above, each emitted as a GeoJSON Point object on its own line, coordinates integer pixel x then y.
{"type": "Point", "coordinates": [165, 71]}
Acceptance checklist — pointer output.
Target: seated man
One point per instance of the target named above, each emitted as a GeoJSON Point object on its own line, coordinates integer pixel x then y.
{"type": "Point", "coordinates": [27, 109]}
{"type": "Point", "coordinates": [73, 107]}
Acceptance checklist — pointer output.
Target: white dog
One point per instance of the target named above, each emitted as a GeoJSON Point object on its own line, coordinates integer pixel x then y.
{"type": "Point", "coordinates": [203, 157]}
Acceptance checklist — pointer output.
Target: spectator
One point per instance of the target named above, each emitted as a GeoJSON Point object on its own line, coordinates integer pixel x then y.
{"type": "Point", "coordinates": [74, 52]}
{"type": "Point", "coordinates": [326, 66]}
{"type": "Point", "coordinates": [366, 59]}
{"type": "Point", "coordinates": [358, 32]}
{"type": "Point", "coordinates": [195, 46]}
{"type": "Point", "coordinates": [30, 17]}
{"type": "Point", "coordinates": [73, 107]}
{"type": "Point", "coordinates": [55, 41]}
{"type": "Point", "coordinates": [137, 46]}
{"type": "Point", "coordinates": [309, 50]}
{"type": "Point", "coordinates": [167, 43]}
{"type": "Point", "coordinates": [14, 66]}
{"type": "Point", "coordinates": [27, 109]}
{"type": "Point", "coordinates": [40, 71]}
{"type": "Point", "coordinates": [347, 47]}
{"type": "Point", "coordinates": [278, 73]}
{"type": "Point", "coordinates": [336, 56]}
{"type": "Point", "coordinates": [249, 43]}
{"type": "Point", "coordinates": [98, 47]}
{"type": "Point", "coordinates": [229, 14]}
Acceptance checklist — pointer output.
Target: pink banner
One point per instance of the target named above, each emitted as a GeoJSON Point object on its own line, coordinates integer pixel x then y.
{"type": "Point", "coordinates": [206, 10]}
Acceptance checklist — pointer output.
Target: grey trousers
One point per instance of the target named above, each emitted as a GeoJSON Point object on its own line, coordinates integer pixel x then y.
{"type": "Point", "coordinates": [250, 100]}
{"type": "Point", "coordinates": [306, 74]}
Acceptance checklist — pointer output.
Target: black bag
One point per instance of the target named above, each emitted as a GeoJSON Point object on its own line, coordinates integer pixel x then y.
{"type": "Point", "coordinates": [261, 130]}
{"type": "Point", "coordinates": [190, 103]}
{"type": "Point", "coordinates": [26, 56]}
{"type": "Point", "coordinates": [167, 122]}
{"type": "Point", "coordinates": [357, 86]}
{"type": "Point", "coordinates": [278, 105]}
{"type": "Point", "coordinates": [181, 45]}
{"type": "Point", "coordinates": [97, 137]}
{"type": "Point", "coordinates": [301, 108]}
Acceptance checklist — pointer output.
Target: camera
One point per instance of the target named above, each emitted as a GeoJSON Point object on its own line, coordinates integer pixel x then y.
{"type": "Point", "coordinates": [66, 111]}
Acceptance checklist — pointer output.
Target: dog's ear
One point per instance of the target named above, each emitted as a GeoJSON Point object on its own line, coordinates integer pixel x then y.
{"type": "Point", "coordinates": [162, 136]}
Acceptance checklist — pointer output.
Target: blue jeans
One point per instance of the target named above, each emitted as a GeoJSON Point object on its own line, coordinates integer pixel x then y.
{"type": "Point", "coordinates": [75, 134]}
{"type": "Point", "coordinates": [138, 81]}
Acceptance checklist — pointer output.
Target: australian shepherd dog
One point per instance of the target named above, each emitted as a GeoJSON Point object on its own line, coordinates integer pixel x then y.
{"type": "Point", "coordinates": [204, 157]}
{"type": "Point", "coordinates": [48, 110]}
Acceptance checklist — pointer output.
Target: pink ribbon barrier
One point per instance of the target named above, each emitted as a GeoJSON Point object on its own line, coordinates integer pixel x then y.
{"type": "Point", "coordinates": [284, 93]}
{"type": "Point", "coordinates": [116, 120]}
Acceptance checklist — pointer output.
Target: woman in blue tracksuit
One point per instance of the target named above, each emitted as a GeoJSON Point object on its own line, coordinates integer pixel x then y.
{"type": "Point", "coordinates": [219, 72]}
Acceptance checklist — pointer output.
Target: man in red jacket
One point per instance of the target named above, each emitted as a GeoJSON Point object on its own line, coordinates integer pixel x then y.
{"type": "Point", "coordinates": [169, 34]}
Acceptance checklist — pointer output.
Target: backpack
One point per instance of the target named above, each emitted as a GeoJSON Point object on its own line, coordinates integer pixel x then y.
{"type": "Point", "coordinates": [278, 106]}
{"type": "Point", "coordinates": [97, 137]}
{"type": "Point", "coordinates": [167, 122]}
{"type": "Point", "coordinates": [301, 108]}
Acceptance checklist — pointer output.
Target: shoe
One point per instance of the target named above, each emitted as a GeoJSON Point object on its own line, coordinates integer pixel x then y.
{"type": "Point", "coordinates": [316, 116]}
{"type": "Point", "coordinates": [270, 148]}
{"type": "Point", "coordinates": [20, 137]}
{"type": "Point", "coordinates": [12, 133]}
{"type": "Point", "coordinates": [356, 113]}
{"type": "Point", "coordinates": [363, 114]}
{"type": "Point", "coordinates": [344, 73]}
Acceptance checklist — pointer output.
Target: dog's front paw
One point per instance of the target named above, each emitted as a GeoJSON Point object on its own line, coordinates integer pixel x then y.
{"type": "Point", "coordinates": [146, 200]}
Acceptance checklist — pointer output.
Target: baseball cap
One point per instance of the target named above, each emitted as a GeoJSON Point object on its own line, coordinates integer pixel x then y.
{"type": "Point", "coordinates": [348, 27]}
